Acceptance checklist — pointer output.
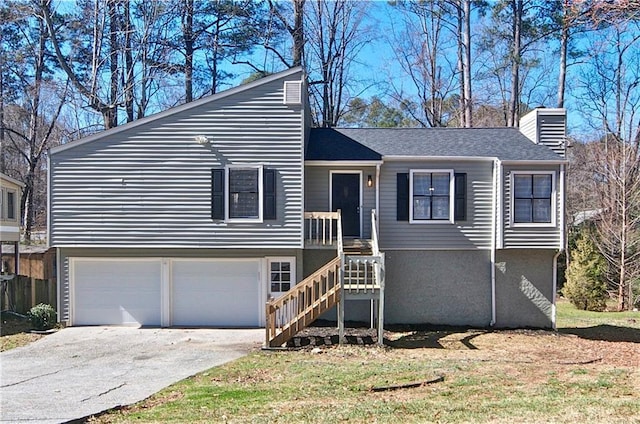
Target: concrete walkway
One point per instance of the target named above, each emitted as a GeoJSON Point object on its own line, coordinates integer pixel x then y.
{"type": "Point", "coordinates": [81, 371]}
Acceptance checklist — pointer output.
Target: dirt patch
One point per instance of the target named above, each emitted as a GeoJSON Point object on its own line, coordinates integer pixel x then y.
{"type": "Point", "coordinates": [605, 346]}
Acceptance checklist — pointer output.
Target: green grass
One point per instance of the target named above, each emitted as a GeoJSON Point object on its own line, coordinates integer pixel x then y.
{"type": "Point", "coordinates": [331, 392]}
{"type": "Point", "coordinates": [570, 317]}
{"type": "Point", "coordinates": [509, 376]}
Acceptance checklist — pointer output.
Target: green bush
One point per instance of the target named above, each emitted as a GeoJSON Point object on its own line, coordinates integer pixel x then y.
{"type": "Point", "coordinates": [42, 317]}
{"type": "Point", "coordinates": [586, 287]}
{"type": "Point", "coordinates": [635, 294]}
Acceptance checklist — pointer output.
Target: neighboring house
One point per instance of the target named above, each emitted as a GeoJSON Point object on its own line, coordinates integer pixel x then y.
{"type": "Point", "coordinates": [198, 215]}
{"type": "Point", "coordinates": [10, 195]}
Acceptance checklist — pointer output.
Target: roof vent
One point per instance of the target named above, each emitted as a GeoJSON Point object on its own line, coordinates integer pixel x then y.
{"type": "Point", "coordinates": [292, 92]}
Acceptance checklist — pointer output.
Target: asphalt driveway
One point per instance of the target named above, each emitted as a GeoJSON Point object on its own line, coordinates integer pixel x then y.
{"type": "Point", "coordinates": [81, 371]}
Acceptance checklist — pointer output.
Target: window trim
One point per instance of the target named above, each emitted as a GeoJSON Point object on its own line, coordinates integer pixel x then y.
{"type": "Point", "coordinates": [292, 262]}
{"type": "Point", "coordinates": [412, 172]}
{"type": "Point", "coordinates": [227, 186]}
{"type": "Point", "coordinates": [512, 198]}
{"type": "Point", "coordinates": [5, 214]}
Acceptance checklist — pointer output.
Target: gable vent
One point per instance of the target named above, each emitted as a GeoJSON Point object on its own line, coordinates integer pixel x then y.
{"type": "Point", "coordinates": [292, 92]}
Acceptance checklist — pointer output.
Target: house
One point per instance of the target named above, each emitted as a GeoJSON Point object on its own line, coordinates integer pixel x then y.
{"type": "Point", "coordinates": [202, 214]}
{"type": "Point", "coordinates": [10, 195]}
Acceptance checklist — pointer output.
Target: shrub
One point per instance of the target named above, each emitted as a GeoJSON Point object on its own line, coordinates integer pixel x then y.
{"type": "Point", "coordinates": [635, 294]}
{"type": "Point", "coordinates": [42, 317]}
{"type": "Point", "coordinates": [586, 287]}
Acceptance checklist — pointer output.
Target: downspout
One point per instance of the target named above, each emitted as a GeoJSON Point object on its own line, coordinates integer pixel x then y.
{"type": "Point", "coordinates": [494, 227]}
{"type": "Point", "coordinates": [560, 250]}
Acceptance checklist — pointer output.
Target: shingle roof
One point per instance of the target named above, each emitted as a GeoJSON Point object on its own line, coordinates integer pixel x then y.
{"type": "Point", "coordinates": [333, 144]}
{"type": "Point", "coordinates": [507, 144]}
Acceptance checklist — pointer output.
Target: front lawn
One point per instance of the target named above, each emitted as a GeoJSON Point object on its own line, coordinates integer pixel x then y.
{"type": "Point", "coordinates": [586, 372]}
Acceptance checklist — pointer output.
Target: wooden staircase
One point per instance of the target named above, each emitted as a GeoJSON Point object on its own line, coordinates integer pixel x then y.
{"type": "Point", "coordinates": [303, 304]}
{"type": "Point", "coordinates": [356, 273]}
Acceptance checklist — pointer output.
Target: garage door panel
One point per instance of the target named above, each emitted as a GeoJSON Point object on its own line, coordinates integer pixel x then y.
{"type": "Point", "coordinates": [116, 292]}
{"type": "Point", "coordinates": [215, 293]}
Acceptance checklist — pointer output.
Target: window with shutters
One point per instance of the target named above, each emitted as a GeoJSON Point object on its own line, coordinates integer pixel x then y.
{"type": "Point", "coordinates": [431, 195]}
{"type": "Point", "coordinates": [243, 194]}
{"type": "Point", "coordinates": [532, 198]}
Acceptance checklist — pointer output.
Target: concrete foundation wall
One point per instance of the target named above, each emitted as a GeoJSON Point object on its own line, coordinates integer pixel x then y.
{"type": "Point", "coordinates": [524, 288]}
{"type": "Point", "coordinates": [438, 287]}
{"type": "Point", "coordinates": [313, 259]}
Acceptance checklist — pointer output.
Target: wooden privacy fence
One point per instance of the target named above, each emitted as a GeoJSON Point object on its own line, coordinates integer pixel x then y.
{"type": "Point", "coordinates": [22, 293]}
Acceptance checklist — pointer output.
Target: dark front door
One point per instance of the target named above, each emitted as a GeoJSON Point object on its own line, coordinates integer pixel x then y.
{"type": "Point", "coordinates": [345, 195]}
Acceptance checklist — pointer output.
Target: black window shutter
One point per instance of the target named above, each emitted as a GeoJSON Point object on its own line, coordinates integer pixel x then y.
{"type": "Point", "coordinates": [217, 194]}
{"type": "Point", "coordinates": [460, 207]}
{"type": "Point", "coordinates": [269, 195]}
{"type": "Point", "coordinates": [402, 196]}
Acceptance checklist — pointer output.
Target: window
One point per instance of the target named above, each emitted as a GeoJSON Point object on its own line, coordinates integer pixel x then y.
{"type": "Point", "coordinates": [11, 205]}
{"type": "Point", "coordinates": [244, 196]}
{"type": "Point", "coordinates": [431, 195]}
{"type": "Point", "coordinates": [281, 274]}
{"type": "Point", "coordinates": [243, 193]}
{"type": "Point", "coordinates": [532, 198]}
{"type": "Point", "coordinates": [8, 205]}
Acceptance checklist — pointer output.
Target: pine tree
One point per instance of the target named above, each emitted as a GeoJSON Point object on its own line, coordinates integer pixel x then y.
{"type": "Point", "coordinates": [586, 285]}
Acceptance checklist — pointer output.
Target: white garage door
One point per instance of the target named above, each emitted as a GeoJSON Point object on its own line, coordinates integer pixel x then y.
{"type": "Point", "coordinates": [215, 293]}
{"type": "Point", "coordinates": [116, 291]}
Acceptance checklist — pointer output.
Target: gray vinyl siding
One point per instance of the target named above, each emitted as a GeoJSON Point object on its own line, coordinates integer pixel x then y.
{"type": "Point", "coordinates": [528, 127]}
{"type": "Point", "coordinates": [546, 127]}
{"type": "Point", "coordinates": [150, 186]}
{"type": "Point", "coordinates": [474, 233]}
{"type": "Point", "coordinates": [66, 253]}
{"type": "Point", "coordinates": [552, 133]}
{"type": "Point", "coordinates": [538, 237]}
{"type": "Point", "coordinates": [317, 191]}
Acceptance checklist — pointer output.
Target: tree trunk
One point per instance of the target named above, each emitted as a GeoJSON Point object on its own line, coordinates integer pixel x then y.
{"type": "Point", "coordinates": [466, 70]}
{"type": "Point", "coordinates": [88, 91]}
{"type": "Point", "coordinates": [112, 111]}
{"type": "Point", "coordinates": [460, 51]}
{"type": "Point", "coordinates": [34, 121]}
{"type": "Point", "coordinates": [298, 32]}
{"type": "Point", "coordinates": [3, 166]}
{"type": "Point", "coordinates": [564, 41]}
{"type": "Point", "coordinates": [129, 84]}
{"type": "Point", "coordinates": [514, 101]}
{"type": "Point", "coordinates": [187, 31]}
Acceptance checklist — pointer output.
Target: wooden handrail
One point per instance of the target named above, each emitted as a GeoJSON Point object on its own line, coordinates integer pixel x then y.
{"type": "Point", "coordinates": [303, 304]}
{"type": "Point", "coordinates": [318, 228]}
